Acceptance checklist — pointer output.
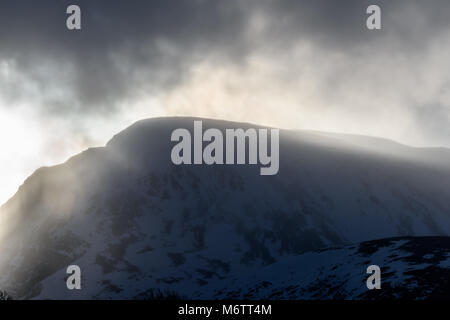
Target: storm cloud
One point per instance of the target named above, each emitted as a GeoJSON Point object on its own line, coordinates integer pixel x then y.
{"type": "Point", "coordinates": [127, 47]}
{"type": "Point", "coordinates": [123, 47]}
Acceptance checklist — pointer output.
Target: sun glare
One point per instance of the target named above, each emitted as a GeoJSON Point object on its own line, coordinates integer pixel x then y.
{"type": "Point", "coordinates": [19, 140]}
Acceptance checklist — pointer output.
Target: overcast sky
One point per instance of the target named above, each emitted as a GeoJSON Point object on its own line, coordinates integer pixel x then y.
{"type": "Point", "coordinates": [286, 63]}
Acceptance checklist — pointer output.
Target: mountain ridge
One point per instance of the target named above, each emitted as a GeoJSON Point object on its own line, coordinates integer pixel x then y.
{"type": "Point", "coordinates": [335, 135]}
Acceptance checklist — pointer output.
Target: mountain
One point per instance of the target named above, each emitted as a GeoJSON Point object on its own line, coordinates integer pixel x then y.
{"type": "Point", "coordinates": [137, 224]}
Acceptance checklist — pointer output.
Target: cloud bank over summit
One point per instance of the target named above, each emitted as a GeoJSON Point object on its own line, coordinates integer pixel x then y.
{"type": "Point", "coordinates": [312, 57]}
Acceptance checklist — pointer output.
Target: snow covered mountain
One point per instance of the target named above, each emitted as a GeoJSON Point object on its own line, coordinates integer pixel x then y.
{"type": "Point", "coordinates": [135, 223]}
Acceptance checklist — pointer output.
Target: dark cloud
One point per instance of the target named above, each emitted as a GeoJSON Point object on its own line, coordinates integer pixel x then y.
{"type": "Point", "coordinates": [123, 47]}
{"type": "Point", "coordinates": [129, 47]}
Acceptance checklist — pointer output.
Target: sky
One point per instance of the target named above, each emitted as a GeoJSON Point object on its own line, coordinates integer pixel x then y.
{"type": "Point", "coordinates": [294, 64]}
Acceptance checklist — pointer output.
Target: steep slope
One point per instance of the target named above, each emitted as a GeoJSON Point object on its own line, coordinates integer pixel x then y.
{"type": "Point", "coordinates": [411, 268]}
{"type": "Point", "coordinates": [134, 221]}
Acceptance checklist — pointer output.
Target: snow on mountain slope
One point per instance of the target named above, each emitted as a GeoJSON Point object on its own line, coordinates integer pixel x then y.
{"type": "Point", "coordinates": [411, 268]}
{"type": "Point", "coordinates": [133, 221]}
